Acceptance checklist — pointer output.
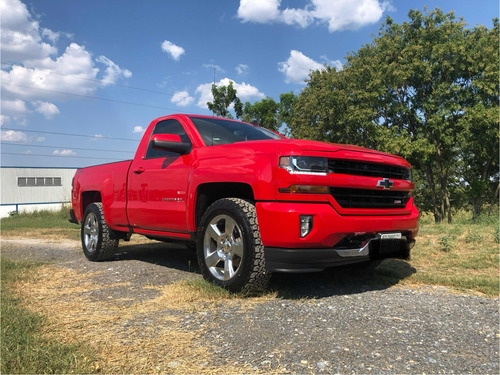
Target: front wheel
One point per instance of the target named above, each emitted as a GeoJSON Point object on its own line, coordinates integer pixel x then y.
{"type": "Point", "coordinates": [229, 247]}
{"type": "Point", "coordinates": [97, 241]}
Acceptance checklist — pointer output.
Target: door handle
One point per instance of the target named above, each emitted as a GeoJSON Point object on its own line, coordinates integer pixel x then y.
{"type": "Point", "coordinates": [139, 170]}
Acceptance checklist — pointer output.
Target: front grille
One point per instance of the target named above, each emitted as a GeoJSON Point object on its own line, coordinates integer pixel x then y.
{"type": "Point", "coordinates": [360, 168]}
{"type": "Point", "coordinates": [364, 198]}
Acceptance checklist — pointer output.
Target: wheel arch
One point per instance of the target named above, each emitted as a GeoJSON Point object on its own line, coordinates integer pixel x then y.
{"type": "Point", "coordinates": [208, 193]}
{"type": "Point", "coordinates": [88, 197]}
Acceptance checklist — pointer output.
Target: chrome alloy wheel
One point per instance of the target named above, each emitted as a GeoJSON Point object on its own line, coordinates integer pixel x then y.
{"type": "Point", "coordinates": [223, 247]}
{"type": "Point", "coordinates": [91, 233]}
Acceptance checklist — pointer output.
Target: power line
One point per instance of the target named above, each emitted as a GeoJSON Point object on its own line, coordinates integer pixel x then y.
{"type": "Point", "coordinates": [95, 80]}
{"type": "Point", "coordinates": [59, 156]}
{"type": "Point", "coordinates": [89, 97]}
{"type": "Point", "coordinates": [73, 135]}
{"type": "Point", "coordinates": [73, 148]}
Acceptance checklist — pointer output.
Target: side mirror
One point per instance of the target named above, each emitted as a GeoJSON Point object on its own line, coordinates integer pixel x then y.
{"type": "Point", "coordinates": [171, 142]}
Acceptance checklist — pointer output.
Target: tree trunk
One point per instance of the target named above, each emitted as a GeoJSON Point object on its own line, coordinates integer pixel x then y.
{"type": "Point", "coordinates": [430, 181]}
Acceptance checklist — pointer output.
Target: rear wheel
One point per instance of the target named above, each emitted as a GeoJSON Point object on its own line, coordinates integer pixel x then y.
{"type": "Point", "coordinates": [229, 247]}
{"type": "Point", "coordinates": [97, 241]}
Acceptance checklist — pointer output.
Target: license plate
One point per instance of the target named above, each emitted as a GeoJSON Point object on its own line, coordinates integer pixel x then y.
{"type": "Point", "coordinates": [390, 236]}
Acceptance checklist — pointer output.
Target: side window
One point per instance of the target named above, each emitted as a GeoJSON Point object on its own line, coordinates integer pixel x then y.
{"type": "Point", "coordinates": [166, 127]}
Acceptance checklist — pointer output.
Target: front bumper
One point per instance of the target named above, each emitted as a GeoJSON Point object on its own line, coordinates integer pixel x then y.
{"type": "Point", "coordinates": [279, 224]}
{"type": "Point", "coordinates": [334, 239]}
{"type": "Point", "coordinates": [315, 260]}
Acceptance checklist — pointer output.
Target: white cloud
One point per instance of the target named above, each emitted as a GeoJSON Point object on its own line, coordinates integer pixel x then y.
{"type": "Point", "coordinates": [40, 139]}
{"type": "Point", "coordinates": [14, 107]}
{"type": "Point", "coordinates": [138, 129]}
{"type": "Point", "coordinates": [338, 14]}
{"type": "Point", "coordinates": [113, 71]}
{"type": "Point", "coordinates": [39, 68]}
{"type": "Point", "coordinates": [74, 72]}
{"type": "Point", "coordinates": [301, 17]}
{"type": "Point", "coordinates": [337, 64]}
{"type": "Point", "coordinates": [182, 98]}
{"type": "Point", "coordinates": [20, 39]}
{"type": "Point", "coordinates": [50, 35]}
{"type": "Point", "coordinates": [214, 66]}
{"type": "Point", "coordinates": [348, 14]}
{"type": "Point", "coordinates": [4, 120]}
{"type": "Point", "coordinates": [173, 50]}
{"type": "Point", "coordinates": [260, 11]}
{"type": "Point", "coordinates": [65, 152]}
{"type": "Point", "coordinates": [244, 90]}
{"type": "Point", "coordinates": [14, 110]}
{"type": "Point", "coordinates": [12, 136]}
{"type": "Point", "coordinates": [242, 69]}
{"type": "Point", "coordinates": [49, 110]}
{"type": "Point", "coordinates": [297, 67]}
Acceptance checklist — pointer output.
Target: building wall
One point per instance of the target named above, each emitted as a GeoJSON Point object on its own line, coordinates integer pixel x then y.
{"type": "Point", "coordinates": [52, 188]}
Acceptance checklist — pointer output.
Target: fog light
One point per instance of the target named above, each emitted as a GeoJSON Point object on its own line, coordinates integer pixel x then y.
{"type": "Point", "coordinates": [306, 225]}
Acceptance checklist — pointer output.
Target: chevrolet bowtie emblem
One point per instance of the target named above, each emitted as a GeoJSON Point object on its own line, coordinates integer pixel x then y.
{"type": "Point", "coordinates": [385, 183]}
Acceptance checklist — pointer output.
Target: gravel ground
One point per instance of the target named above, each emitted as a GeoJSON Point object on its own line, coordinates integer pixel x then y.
{"type": "Point", "coordinates": [318, 323]}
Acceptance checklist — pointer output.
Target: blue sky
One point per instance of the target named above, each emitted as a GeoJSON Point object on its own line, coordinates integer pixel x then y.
{"type": "Point", "coordinates": [77, 75]}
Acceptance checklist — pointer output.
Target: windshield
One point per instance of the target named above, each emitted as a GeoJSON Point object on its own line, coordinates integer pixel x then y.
{"type": "Point", "coordinates": [215, 131]}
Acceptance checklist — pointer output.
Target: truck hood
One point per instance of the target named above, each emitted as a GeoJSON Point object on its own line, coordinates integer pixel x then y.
{"type": "Point", "coordinates": [346, 150]}
{"type": "Point", "coordinates": [330, 150]}
{"type": "Point", "coordinates": [324, 146]}
{"type": "Point", "coordinates": [332, 147]}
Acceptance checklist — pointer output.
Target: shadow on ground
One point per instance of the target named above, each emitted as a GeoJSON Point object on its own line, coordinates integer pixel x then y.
{"type": "Point", "coordinates": [170, 255]}
{"type": "Point", "coordinates": [332, 281]}
{"type": "Point", "coordinates": [341, 280]}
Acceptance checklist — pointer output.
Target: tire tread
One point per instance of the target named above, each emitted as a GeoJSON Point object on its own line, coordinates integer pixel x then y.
{"type": "Point", "coordinates": [257, 278]}
{"type": "Point", "coordinates": [107, 245]}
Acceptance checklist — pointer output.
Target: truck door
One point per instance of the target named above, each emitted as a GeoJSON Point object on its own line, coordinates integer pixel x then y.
{"type": "Point", "coordinates": [158, 182]}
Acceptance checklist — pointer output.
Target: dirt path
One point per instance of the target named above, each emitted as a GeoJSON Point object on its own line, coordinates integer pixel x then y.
{"type": "Point", "coordinates": [143, 319]}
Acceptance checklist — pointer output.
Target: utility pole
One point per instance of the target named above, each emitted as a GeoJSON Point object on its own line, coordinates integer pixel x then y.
{"type": "Point", "coordinates": [213, 113]}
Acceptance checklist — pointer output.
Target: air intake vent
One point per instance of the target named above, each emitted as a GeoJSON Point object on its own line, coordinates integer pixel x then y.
{"type": "Point", "coordinates": [364, 198]}
{"type": "Point", "coordinates": [360, 168]}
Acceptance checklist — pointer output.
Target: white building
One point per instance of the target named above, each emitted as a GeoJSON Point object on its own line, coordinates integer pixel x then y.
{"type": "Point", "coordinates": [29, 189]}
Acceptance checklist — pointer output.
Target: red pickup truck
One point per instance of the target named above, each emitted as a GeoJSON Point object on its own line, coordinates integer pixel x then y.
{"type": "Point", "coordinates": [251, 200]}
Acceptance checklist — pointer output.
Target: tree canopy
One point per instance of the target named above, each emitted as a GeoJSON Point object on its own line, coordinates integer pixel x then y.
{"type": "Point", "coordinates": [270, 114]}
{"type": "Point", "coordinates": [426, 89]}
{"type": "Point", "coordinates": [224, 96]}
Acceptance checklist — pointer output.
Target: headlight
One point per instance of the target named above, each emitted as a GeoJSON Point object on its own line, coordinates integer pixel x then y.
{"type": "Point", "coordinates": [305, 164]}
{"type": "Point", "coordinates": [408, 175]}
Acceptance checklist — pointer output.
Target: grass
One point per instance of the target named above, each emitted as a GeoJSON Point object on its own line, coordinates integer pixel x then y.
{"type": "Point", "coordinates": [25, 349]}
{"type": "Point", "coordinates": [463, 255]}
{"type": "Point", "coordinates": [130, 336]}
{"type": "Point", "coordinates": [43, 223]}
{"type": "Point", "coordinates": [47, 314]}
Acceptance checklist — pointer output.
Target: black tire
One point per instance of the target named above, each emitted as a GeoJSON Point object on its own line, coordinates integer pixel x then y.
{"type": "Point", "coordinates": [229, 248]}
{"type": "Point", "coordinates": [98, 243]}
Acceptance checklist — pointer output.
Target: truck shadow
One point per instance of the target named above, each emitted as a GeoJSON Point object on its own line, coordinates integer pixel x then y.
{"type": "Point", "coordinates": [169, 255]}
{"type": "Point", "coordinates": [344, 280]}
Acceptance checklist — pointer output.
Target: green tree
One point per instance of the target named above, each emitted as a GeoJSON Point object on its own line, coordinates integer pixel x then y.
{"type": "Point", "coordinates": [263, 113]}
{"type": "Point", "coordinates": [224, 96]}
{"type": "Point", "coordinates": [418, 90]}
{"type": "Point", "coordinates": [286, 109]}
{"type": "Point", "coordinates": [479, 153]}
{"type": "Point", "coordinates": [270, 114]}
